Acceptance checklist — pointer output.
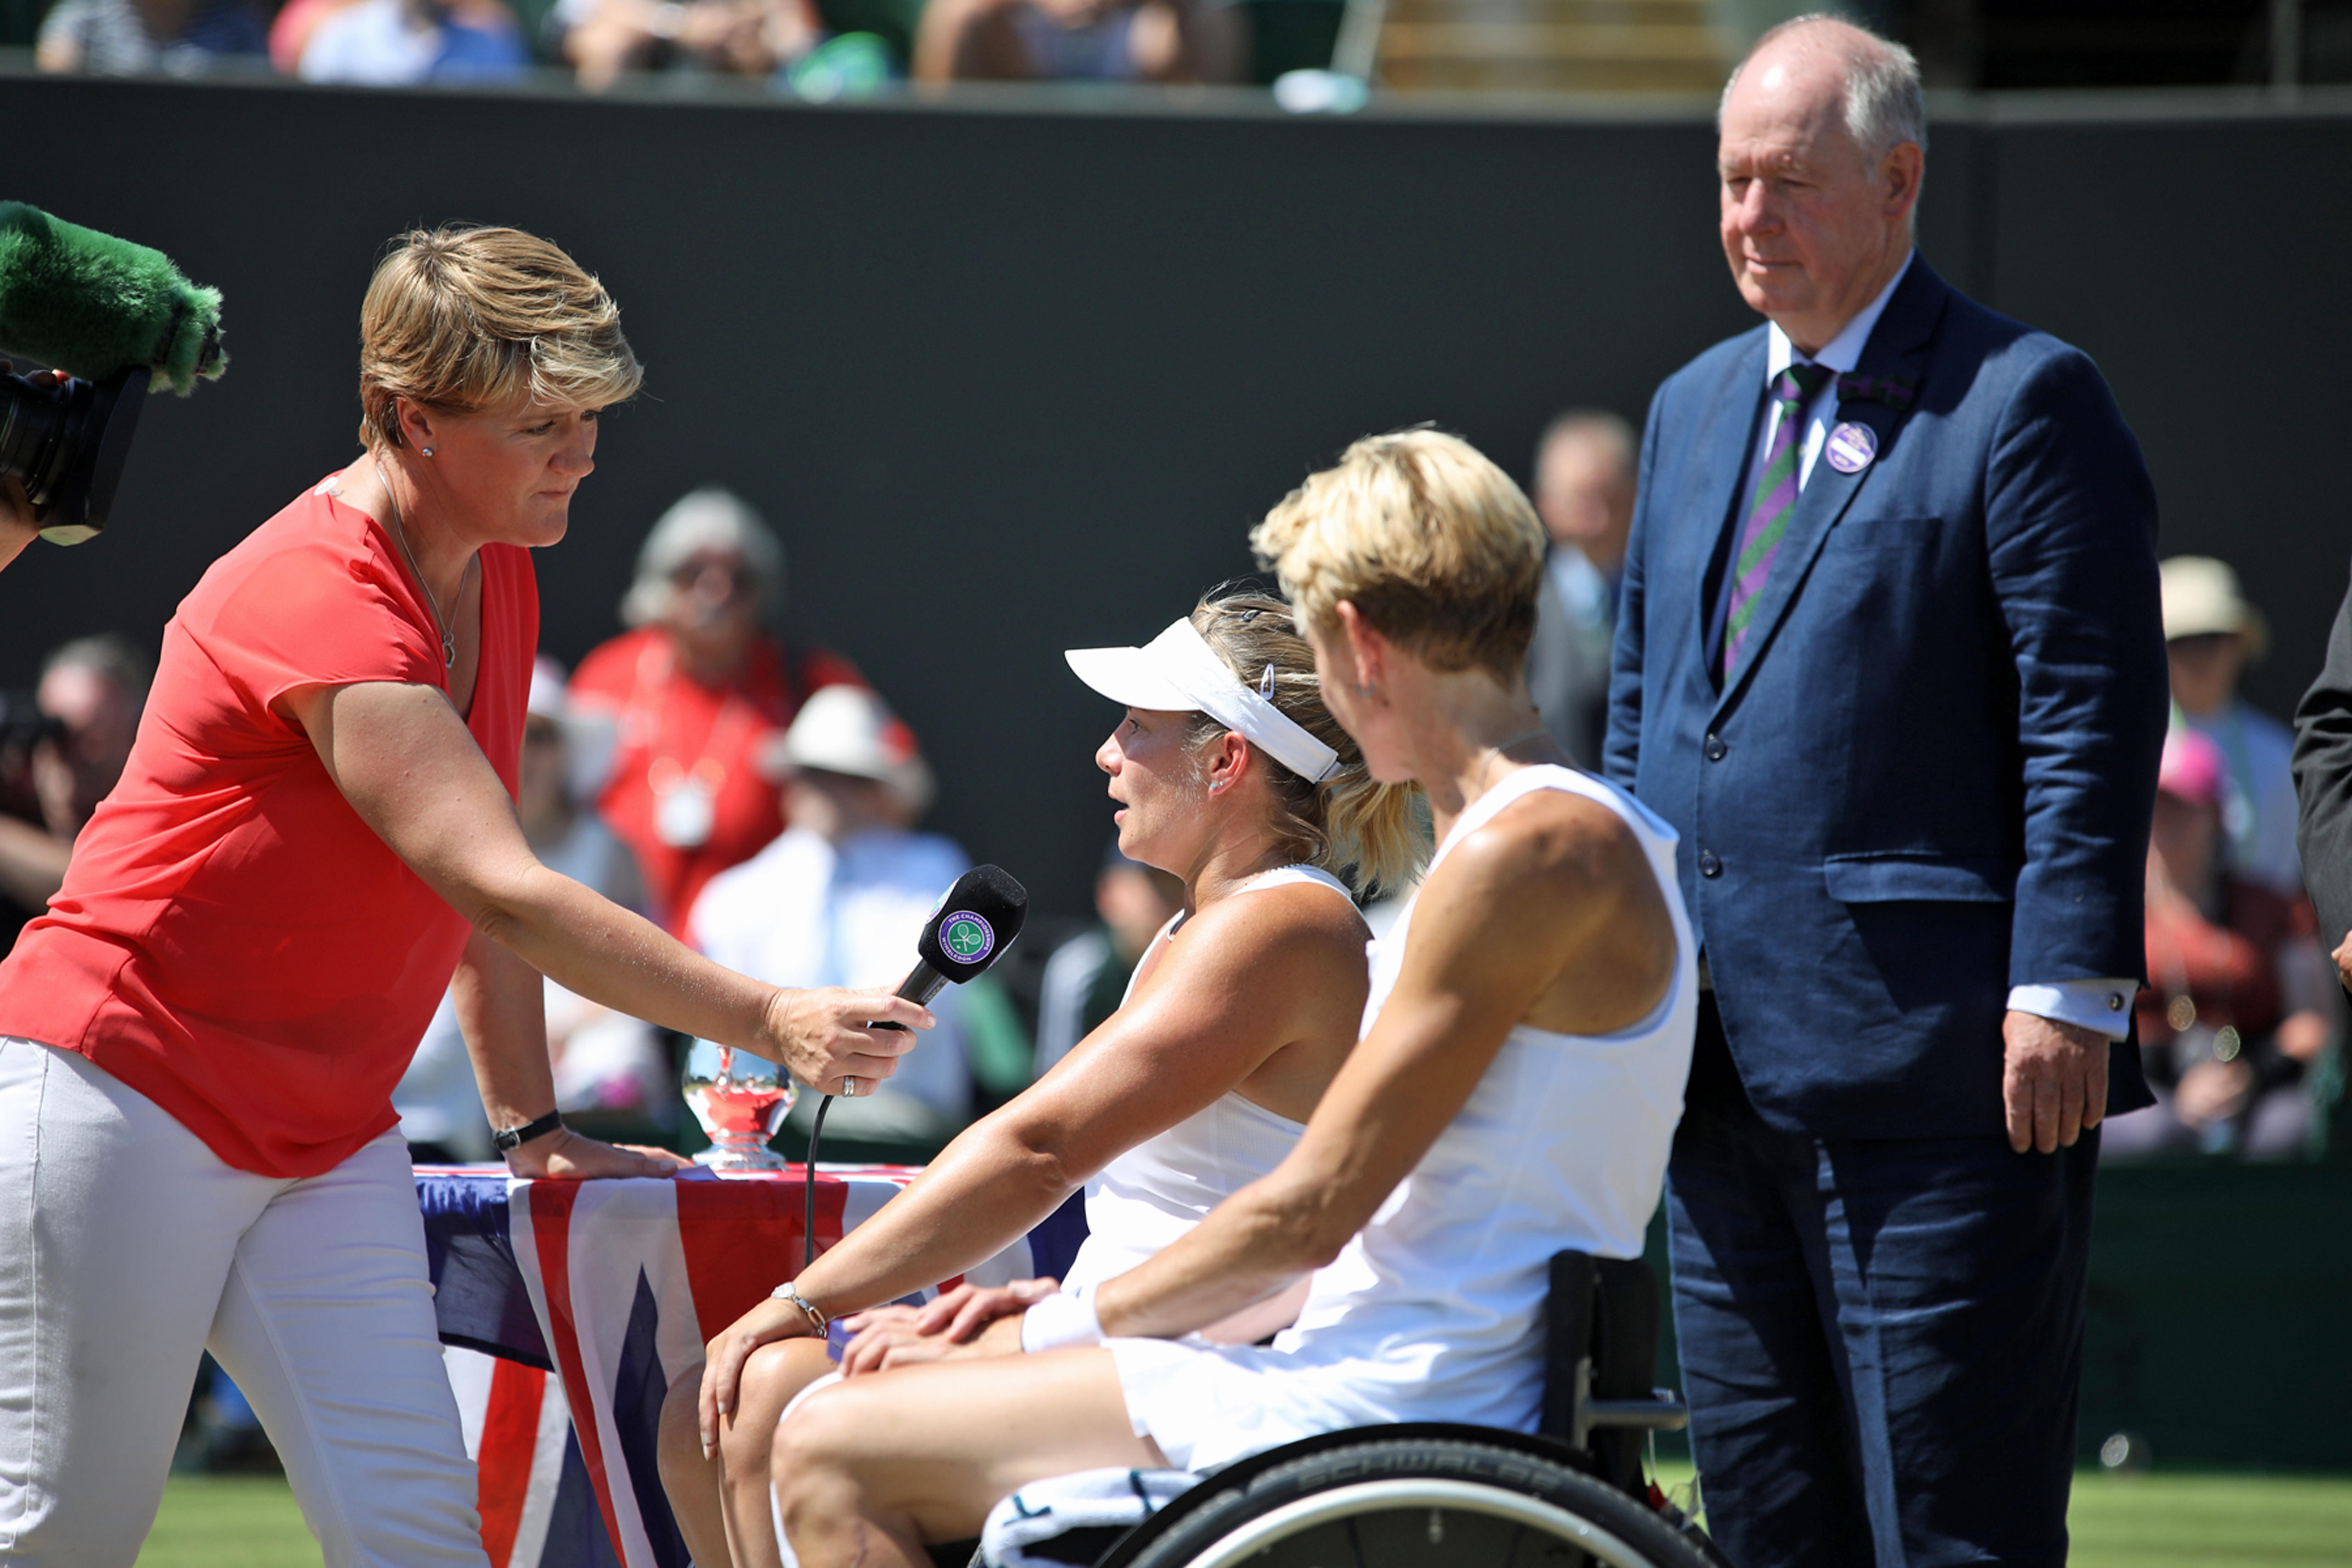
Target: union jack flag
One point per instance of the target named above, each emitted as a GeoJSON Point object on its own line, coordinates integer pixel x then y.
{"type": "Point", "coordinates": [588, 1298]}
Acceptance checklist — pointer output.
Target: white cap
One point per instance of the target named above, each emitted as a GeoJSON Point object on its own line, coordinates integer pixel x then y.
{"type": "Point", "coordinates": [1178, 672]}
{"type": "Point", "coordinates": [849, 730]}
{"type": "Point", "coordinates": [589, 738]}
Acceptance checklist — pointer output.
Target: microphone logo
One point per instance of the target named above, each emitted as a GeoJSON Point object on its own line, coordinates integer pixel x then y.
{"type": "Point", "coordinates": [966, 937]}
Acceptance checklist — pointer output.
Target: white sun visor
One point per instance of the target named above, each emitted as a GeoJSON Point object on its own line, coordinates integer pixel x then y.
{"type": "Point", "coordinates": [1177, 671]}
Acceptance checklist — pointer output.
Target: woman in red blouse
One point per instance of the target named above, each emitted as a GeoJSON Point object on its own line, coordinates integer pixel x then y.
{"type": "Point", "coordinates": [315, 831]}
{"type": "Point", "coordinates": [701, 694]}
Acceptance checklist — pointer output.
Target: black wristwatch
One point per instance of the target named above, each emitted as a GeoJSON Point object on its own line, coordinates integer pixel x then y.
{"type": "Point", "coordinates": [508, 1138]}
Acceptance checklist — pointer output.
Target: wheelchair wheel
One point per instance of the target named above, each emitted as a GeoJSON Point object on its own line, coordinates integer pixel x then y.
{"type": "Point", "coordinates": [1423, 1503]}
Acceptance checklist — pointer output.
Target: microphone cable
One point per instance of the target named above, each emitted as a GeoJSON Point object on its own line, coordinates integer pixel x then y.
{"type": "Point", "coordinates": [808, 1173]}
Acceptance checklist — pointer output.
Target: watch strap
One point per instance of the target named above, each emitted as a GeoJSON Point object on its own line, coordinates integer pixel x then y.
{"type": "Point", "coordinates": [508, 1138]}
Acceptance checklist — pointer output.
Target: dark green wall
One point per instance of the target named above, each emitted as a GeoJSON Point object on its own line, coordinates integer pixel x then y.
{"type": "Point", "coordinates": [1011, 379]}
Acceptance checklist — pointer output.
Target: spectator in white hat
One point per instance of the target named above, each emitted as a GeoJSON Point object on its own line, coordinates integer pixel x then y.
{"type": "Point", "coordinates": [845, 891]}
{"type": "Point", "coordinates": [2210, 635]}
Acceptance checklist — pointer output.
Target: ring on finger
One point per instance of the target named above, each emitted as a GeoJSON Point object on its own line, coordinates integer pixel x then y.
{"type": "Point", "coordinates": [849, 1088]}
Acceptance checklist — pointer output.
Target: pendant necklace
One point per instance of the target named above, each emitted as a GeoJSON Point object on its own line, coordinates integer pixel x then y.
{"type": "Point", "coordinates": [1496, 755]}
{"type": "Point", "coordinates": [400, 536]}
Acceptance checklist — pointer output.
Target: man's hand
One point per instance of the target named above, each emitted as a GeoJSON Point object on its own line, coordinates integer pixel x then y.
{"type": "Point", "coordinates": [2053, 1081]}
{"type": "Point", "coordinates": [2343, 957]}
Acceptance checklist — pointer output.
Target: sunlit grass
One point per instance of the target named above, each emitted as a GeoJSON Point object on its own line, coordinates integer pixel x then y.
{"type": "Point", "coordinates": [2163, 1519]}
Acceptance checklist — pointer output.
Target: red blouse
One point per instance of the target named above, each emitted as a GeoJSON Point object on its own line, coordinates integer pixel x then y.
{"type": "Point", "coordinates": [232, 941]}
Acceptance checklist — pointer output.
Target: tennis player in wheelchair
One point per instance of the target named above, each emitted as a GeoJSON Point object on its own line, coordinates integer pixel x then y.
{"type": "Point", "coordinates": [1531, 1019]}
{"type": "Point", "coordinates": [1238, 1015]}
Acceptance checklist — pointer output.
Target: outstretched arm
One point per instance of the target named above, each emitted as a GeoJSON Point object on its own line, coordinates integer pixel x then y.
{"type": "Point", "coordinates": [410, 768]}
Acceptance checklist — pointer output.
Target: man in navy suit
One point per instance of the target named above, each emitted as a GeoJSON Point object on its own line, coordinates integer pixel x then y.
{"type": "Point", "coordinates": [1890, 658]}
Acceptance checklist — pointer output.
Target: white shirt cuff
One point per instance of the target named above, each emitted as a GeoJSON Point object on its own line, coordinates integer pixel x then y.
{"type": "Point", "coordinates": [2102, 1007]}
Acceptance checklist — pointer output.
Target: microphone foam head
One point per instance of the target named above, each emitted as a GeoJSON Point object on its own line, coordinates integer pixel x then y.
{"type": "Point", "coordinates": [975, 922]}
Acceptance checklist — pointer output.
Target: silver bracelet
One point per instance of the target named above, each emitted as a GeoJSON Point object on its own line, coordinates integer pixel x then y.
{"type": "Point", "coordinates": [789, 1291]}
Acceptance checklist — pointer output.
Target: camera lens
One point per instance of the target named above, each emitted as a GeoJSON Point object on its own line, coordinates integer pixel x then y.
{"type": "Point", "coordinates": [40, 431]}
{"type": "Point", "coordinates": [66, 442]}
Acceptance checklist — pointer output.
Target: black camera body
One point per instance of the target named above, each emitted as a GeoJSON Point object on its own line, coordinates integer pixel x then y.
{"type": "Point", "coordinates": [66, 442]}
{"type": "Point", "coordinates": [111, 317]}
{"type": "Point", "coordinates": [22, 724]}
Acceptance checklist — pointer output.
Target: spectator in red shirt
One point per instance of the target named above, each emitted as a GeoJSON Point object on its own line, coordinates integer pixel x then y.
{"type": "Point", "coordinates": [701, 691]}
{"type": "Point", "coordinates": [314, 832]}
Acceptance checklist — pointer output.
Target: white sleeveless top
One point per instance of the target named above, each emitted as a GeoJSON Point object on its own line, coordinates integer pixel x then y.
{"type": "Point", "coordinates": [1164, 1186]}
{"type": "Point", "coordinates": [1434, 1310]}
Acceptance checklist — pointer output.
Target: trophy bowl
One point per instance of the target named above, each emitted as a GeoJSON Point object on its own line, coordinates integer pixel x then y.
{"type": "Point", "coordinates": [740, 1100]}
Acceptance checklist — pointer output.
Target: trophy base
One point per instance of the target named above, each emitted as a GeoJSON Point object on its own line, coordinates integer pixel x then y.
{"type": "Point", "coordinates": [732, 1155]}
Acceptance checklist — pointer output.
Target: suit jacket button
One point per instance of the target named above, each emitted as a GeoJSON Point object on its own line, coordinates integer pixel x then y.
{"type": "Point", "coordinates": [1716, 748]}
{"type": "Point", "coordinates": [1709, 865]}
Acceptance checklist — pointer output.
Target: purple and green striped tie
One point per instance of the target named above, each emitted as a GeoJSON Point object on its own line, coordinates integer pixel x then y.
{"type": "Point", "coordinates": [1776, 496]}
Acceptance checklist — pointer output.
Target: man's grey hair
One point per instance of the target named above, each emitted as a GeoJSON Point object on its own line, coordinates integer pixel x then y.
{"type": "Point", "coordinates": [1599, 427]}
{"type": "Point", "coordinates": [709, 519]}
{"type": "Point", "coordinates": [113, 659]}
{"type": "Point", "coordinates": [1884, 104]}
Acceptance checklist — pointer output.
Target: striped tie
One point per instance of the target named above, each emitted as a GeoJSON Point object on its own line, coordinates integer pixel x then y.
{"type": "Point", "coordinates": [1776, 496]}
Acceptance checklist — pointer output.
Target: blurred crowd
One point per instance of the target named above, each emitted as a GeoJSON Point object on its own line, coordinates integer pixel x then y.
{"type": "Point", "coordinates": [818, 49]}
{"type": "Point", "coordinates": [752, 793]}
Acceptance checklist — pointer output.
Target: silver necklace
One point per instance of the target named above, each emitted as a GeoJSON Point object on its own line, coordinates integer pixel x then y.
{"type": "Point", "coordinates": [1497, 754]}
{"type": "Point", "coordinates": [400, 537]}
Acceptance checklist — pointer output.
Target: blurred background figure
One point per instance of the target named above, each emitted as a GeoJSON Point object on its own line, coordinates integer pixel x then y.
{"type": "Point", "coordinates": [2240, 1006]}
{"type": "Point", "coordinates": [2210, 635]}
{"type": "Point", "coordinates": [844, 893]}
{"type": "Point", "coordinates": [397, 43]}
{"type": "Point", "coordinates": [61, 754]}
{"type": "Point", "coordinates": [1584, 493]}
{"type": "Point", "coordinates": [1081, 40]}
{"type": "Point", "coordinates": [604, 39]}
{"type": "Point", "coordinates": [698, 692]}
{"type": "Point", "coordinates": [608, 1067]}
{"type": "Point", "coordinates": [1085, 979]}
{"type": "Point", "coordinates": [124, 38]}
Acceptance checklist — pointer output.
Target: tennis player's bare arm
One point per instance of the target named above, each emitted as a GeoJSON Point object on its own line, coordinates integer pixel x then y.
{"type": "Point", "coordinates": [1549, 915]}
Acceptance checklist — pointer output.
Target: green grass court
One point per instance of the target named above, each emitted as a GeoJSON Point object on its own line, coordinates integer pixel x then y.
{"type": "Point", "coordinates": [2186, 1520]}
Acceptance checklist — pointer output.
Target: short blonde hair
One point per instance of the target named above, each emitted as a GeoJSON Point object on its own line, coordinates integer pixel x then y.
{"type": "Point", "coordinates": [1367, 834]}
{"type": "Point", "coordinates": [1432, 542]}
{"type": "Point", "coordinates": [463, 319]}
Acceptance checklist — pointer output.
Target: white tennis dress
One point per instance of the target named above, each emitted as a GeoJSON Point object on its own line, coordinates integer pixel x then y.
{"type": "Point", "coordinates": [1166, 1184]}
{"type": "Point", "coordinates": [1434, 1312]}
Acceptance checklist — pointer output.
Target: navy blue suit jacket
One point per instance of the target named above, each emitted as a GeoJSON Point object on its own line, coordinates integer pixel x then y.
{"type": "Point", "coordinates": [1931, 776]}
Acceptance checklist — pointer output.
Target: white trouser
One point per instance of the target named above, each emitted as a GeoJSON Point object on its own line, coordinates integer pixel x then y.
{"type": "Point", "coordinates": [127, 1247]}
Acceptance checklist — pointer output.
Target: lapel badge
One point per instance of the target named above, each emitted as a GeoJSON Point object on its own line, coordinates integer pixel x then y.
{"type": "Point", "coordinates": [1850, 447]}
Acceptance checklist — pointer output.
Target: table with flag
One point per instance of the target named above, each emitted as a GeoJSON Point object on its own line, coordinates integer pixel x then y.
{"type": "Point", "coordinates": [568, 1307]}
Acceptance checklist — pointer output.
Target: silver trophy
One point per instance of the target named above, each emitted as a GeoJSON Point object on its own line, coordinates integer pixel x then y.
{"type": "Point", "coordinates": [740, 1100]}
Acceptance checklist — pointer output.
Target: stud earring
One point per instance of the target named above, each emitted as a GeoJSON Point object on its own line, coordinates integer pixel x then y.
{"type": "Point", "coordinates": [426, 450]}
{"type": "Point", "coordinates": [1363, 688]}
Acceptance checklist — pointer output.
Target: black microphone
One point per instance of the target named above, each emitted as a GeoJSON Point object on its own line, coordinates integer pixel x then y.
{"type": "Point", "coordinates": [974, 922]}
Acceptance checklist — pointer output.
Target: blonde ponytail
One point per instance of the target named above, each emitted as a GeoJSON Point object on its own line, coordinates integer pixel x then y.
{"type": "Point", "coordinates": [1367, 834]}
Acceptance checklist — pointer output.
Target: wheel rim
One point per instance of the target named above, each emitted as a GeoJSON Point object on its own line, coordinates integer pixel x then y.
{"type": "Point", "coordinates": [1248, 1539]}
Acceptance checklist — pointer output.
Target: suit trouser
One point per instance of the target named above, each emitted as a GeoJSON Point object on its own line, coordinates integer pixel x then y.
{"type": "Point", "coordinates": [1881, 1339]}
{"type": "Point", "coordinates": [127, 1246]}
